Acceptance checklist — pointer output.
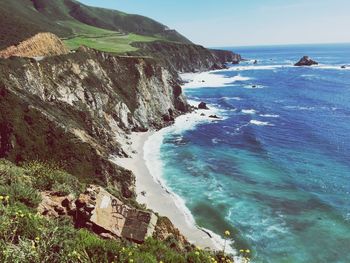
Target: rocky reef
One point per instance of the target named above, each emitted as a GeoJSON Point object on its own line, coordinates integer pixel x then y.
{"type": "Point", "coordinates": [305, 61]}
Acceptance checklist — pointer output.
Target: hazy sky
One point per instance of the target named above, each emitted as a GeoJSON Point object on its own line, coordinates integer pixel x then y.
{"type": "Point", "coordinates": [246, 22]}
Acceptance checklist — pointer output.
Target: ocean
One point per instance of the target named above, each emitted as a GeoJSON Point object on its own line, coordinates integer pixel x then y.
{"type": "Point", "coordinates": [275, 170]}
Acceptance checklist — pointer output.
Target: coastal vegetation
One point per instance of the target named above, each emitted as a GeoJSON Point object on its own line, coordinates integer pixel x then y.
{"type": "Point", "coordinates": [28, 236]}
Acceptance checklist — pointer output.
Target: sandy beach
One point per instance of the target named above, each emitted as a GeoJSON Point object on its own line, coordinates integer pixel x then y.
{"type": "Point", "coordinates": [153, 192]}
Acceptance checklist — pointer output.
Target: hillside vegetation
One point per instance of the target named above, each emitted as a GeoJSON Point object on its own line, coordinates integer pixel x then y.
{"type": "Point", "coordinates": [27, 236]}
{"type": "Point", "coordinates": [103, 29]}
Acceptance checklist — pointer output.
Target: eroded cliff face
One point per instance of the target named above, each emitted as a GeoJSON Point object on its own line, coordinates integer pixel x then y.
{"type": "Point", "coordinates": [41, 44]}
{"type": "Point", "coordinates": [186, 57]}
{"type": "Point", "coordinates": [78, 108]}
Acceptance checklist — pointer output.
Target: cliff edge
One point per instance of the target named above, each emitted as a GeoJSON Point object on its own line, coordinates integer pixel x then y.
{"type": "Point", "coordinates": [40, 45]}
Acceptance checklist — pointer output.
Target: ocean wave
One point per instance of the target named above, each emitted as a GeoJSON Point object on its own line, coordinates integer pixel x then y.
{"type": "Point", "coordinates": [260, 123]}
{"type": "Point", "coordinates": [257, 67]}
{"type": "Point", "coordinates": [270, 115]}
{"type": "Point", "coordinates": [253, 87]}
{"type": "Point", "coordinates": [209, 80]}
{"type": "Point", "coordinates": [306, 108]}
{"type": "Point", "coordinates": [249, 111]}
{"type": "Point", "coordinates": [333, 67]}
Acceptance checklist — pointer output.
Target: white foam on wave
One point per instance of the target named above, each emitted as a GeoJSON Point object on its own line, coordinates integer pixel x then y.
{"type": "Point", "coordinates": [258, 67]}
{"type": "Point", "coordinates": [270, 115]}
{"type": "Point", "coordinates": [253, 87]}
{"type": "Point", "coordinates": [152, 157]}
{"type": "Point", "coordinates": [209, 80]}
{"type": "Point", "coordinates": [260, 123]}
{"type": "Point", "coordinates": [306, 108]}
{"type": "Point", "coordinates": [333, 67]}
{"type": "Point", "coordinates": [250, 111]}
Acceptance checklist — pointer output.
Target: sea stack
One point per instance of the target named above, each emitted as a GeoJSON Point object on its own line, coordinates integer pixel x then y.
{"type": "Point", "coordinates": [305, 61]}
{"type": "Point", "coordinates": [203, 106]}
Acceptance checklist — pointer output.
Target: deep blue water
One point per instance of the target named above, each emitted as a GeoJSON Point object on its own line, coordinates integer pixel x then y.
{"type": "Point", "coordinates": [278, 177]}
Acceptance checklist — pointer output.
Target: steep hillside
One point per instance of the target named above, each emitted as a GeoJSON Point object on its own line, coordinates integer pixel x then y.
{"type": "Point", "coordinates": [185, 57]}
{"type": "Point", "coordinates": [21, 19]}
{"type": "Point", "coordinates": [78, 108]}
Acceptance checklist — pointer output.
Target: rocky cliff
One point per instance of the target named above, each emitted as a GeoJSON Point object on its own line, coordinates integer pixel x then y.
{"type": "Point", "coordinates": [185, 57]}
{"type": "Point", "coordinates": [42, 44]}
{"type": "Point", "coordinates": [78, 108]}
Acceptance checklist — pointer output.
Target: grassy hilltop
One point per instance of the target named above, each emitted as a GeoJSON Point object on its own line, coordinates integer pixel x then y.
{"type": "Point", "coordinates": [99, 28]}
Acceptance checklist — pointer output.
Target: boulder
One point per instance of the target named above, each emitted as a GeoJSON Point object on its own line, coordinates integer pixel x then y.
{"type": "Point", "coordinates": [343, 67]}
{"type": "Point", "coordinates": [107, 215]}
{"type": "Point", "coordinates": [203, 106]}
{"type": "Point", "coordinates": [214, 117]}
{"type": "Point", "coordinates": [305, 61]}
{"type": "Point", "coordinates": [55, 205]}
{"type": "Point", "coordinates": [255, 62]}
{"type": "Point", "coordinates": [102, 213]}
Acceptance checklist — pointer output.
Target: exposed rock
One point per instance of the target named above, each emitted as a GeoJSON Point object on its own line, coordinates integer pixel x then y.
{"type": "Point", "coordinates": [305, 61]}
{"type": "Point", "coordinates": [54, 205]}
{"type": "Point", "coordinates": [255, 62]}
{"type": "Point", "coordinates": [214, 117]}
{"type": "Point", "coordinates": [203, 106]}
{"type": "Point", "coordinates": [166, 231]}
{"type": "Point", "coordinates": [343, 67]}
{"type": "Point", "coordinates": [108, 215]}
{"type": "Point", "coordinates": [40, 45]}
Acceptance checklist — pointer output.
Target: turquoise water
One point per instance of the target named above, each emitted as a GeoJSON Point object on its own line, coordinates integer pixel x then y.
{"type": "Point", "coordinates": [276, 170]}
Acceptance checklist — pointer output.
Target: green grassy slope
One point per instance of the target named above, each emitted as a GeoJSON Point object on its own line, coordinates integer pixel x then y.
{"type": "Point", "coordinates": [103, 39]}
{"type": "Point", "coordinates": [104, 29]}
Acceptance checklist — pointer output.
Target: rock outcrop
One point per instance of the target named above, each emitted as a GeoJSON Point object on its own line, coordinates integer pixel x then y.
{"type": "Point", "coordinates": [40, 45]}
{"type": "Point", "coordinates": [305, 61]}
{"type": "Point", "coordinates": [107, 215]}
{"type": "Point", "coordinates": [102, 213]}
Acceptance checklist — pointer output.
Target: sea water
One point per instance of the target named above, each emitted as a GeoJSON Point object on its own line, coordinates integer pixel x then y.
{"type": "Point", "coordinates": [275, 170]}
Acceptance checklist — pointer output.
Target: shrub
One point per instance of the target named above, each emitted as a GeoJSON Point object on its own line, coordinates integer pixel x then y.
{"type": "Point", "coordinates": [49, 176]}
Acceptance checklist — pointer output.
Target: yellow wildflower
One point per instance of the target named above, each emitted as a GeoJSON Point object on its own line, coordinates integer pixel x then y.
{"type": "Point", "coordinates": [197, 253]}
{"type": "Point", "coordinates": [227, 233]}
{"type": "Point", "coordinates": [130, 254]}
{"type": "Point", "coordinates": [247, 251]}
{"type": "Point", "coordinates": [1, 197]}
{"type": "Point", "coordinates": [131, 260]}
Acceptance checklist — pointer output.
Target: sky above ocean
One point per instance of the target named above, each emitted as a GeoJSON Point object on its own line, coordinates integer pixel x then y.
{"type": "Point", "coordinates": [242, 22]}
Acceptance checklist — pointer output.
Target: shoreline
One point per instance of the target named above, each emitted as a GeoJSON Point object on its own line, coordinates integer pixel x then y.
{"type": "Point", "coordinates": [151, 187]}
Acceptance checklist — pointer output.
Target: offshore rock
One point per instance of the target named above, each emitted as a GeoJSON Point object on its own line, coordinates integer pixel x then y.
{"type": "Point", "coordinates": [203, 106]}
{"type": "Point", "coordinates": [305, 61]}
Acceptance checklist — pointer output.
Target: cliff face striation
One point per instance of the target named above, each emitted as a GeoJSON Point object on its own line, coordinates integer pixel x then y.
{"type": "Point", "coordinates": [42, 44]}
{"type": "Point", "coordinates": [78, 109]}
{"type": "Point", "coordinates": [186, 57]}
